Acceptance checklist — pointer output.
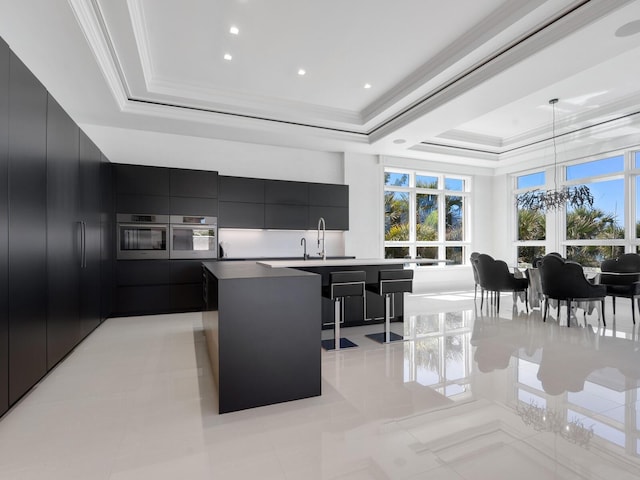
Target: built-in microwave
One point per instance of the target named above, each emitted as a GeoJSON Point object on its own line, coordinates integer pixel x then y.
{"type": "Point", "coordinates": [193, 236]}
{"type": "Point", "coordinates": [142, 236]}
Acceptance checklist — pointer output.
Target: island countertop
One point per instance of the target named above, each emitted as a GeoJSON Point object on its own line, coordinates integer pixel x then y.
{"type": "Point", "coordinates": [248, 269]}
{"type": "Point", "coordinates": [347, 262]}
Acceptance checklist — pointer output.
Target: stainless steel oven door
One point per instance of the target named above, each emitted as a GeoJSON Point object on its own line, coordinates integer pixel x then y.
{"type": "Point", "coordinates": [194, 241]}
{"type": "Point", "coordinates": [142, 241]}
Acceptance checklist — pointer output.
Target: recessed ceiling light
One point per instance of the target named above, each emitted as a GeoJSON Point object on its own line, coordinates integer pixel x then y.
{"type": "Point", "coordinates": [302, 72]}
{"type": "Point", "coordinates": [399, 141]}
{"type": "Point", "coordinates": [234, 30]}
{"type": "Point", "coordinates": [227, 56]}
{"type": "Point", "coordinates": [367, 85]}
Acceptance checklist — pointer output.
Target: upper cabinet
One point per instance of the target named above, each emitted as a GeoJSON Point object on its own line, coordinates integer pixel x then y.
{"type": "Point", "coordinates": [284, 205]}
{"type": "Point", "coordinates": [193, 183]}
{"type": "Point", "coordinates": [165, 191]}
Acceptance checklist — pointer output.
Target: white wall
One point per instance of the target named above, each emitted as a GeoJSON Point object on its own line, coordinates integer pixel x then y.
{"type": "Point", "coordinates": [227, 158]}
{"type": "Point", "coordinates": [364, 175]}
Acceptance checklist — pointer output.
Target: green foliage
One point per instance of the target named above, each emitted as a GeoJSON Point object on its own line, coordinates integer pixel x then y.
{"type": "Point", "coordinates": [531, 225]}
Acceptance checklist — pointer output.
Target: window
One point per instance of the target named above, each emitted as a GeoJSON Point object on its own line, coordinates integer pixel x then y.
{"type": "Point", "coordinates": [586, 235]}
{"type": "Point", "coordinates": [425, 215]}
{"type": "Point", "coordinates": [531, 224]}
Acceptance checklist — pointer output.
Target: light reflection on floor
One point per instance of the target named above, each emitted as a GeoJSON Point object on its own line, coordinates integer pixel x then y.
{"type": "Point", "coordinates": [469, 395]}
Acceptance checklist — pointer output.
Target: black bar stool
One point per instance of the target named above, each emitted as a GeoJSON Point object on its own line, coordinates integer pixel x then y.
{"type": "Point", "coordinates": [342, 285]}
{"type": "Point", "coordinates": [390, 282]}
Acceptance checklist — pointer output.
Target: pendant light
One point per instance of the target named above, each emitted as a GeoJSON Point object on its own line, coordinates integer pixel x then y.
{"type": "Point", "coordinates": [544, 200]}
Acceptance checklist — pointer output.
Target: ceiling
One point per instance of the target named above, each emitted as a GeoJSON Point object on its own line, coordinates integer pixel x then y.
{"type": "Point", "coordinates": [467, 78]}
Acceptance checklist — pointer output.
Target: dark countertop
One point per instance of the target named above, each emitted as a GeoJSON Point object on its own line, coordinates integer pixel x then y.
{"type": "Point", "coordinates": [240, 259]}
{"type": "Point", "coordinates": [249, 269]}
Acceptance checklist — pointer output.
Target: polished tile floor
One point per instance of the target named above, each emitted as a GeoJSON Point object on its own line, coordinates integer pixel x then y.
{"type": "Point", "coordinates": [470, 395]}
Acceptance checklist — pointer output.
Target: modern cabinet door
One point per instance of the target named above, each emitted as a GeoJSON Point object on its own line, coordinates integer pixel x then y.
{"type": "Point", "coordinates": [240, 189]}
{"type": "Point", "coordinates": [4, 226]}
{"type": "Point", "coordinates": [329, 195]}
{"type": "Point", "coordinates": [27, 230]}
{"type": "Point", "coordinates": [336, 218]}
{"type": "Point", "coordinates": [241, 215]}
{"type": "Point", "coordinates": [64, 234]}
{"type": "Point", "coordinates": [286, 217]}
{"type": "Point", "coordinates": [194, 183]}
{"type": "Point", "coordinates": [286, 193]}
{"type": "Point", "coordinates": [142, 180]}
{"type": "Point", "coordinates": [107, 240]}
{"type": "Point", "coordinates": [89, 215]}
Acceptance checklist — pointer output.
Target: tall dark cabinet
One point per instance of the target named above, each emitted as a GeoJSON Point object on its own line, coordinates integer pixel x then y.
{"type": "Point", "coordinates": [27, 288]}
{"type": "Point", "coordinates": [56, 225]}
{"type": "Point", "coordinates": [89, 214]}
{"type": "Point", "coordinates": [4, 226]}
{"type": "Point", "coordinates": [65, 236]}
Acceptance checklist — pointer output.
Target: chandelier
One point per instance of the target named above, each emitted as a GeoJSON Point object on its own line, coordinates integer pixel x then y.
{"type": "Point", "coordinates": [542, 200]}
{"type": "Point", "coordinates": [546, 420]}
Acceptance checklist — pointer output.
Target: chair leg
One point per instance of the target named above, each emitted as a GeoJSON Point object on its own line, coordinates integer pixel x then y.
{"type": "Point", "coordinates": [475, 292]}
{"type": "Point", "coordinates": [604, 322]}
{"type": "Point", "coordinates": [633, 312]}
{"type": "Point", "coordinates": [526, 300]}
{"type": "Point", "coordinates": [498, 301]}
{"type": "Point", "coordinates": [481, 297]}
{"type": "Point", "coordinates": [568, 312]}
{"type": "Point", "coordinates": [546, 306]}
{"type": "Point", "coordinates": [613, 302]}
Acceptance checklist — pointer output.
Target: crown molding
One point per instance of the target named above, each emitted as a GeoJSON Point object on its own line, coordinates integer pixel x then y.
{"type": "Point", "coordinates": [533, 44]}
{"type": "Point", "coordinates": [94, 28]}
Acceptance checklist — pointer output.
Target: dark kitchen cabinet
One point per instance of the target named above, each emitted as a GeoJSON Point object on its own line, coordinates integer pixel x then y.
{"type": "Point", "coordinates": [286, 193]}
{"type": "Point", "coordinates": [335, 218]}
{"type": "Point", "coordinates": [193, 206]}
{"type": "Point", "coordinates": [329, 195]}
{"type": "Point", "coordinates": [107, 238]}
{"type": "Point", "coordinates": [241, 215]}
{"type": "Point", "coordinates": [142, 180]}
{"type": "Point", "coordinates": [143, 272]}
{"type": "Point", "coordinates": [90, 213]}
{"type": "Point", "coordinates": [193, 183]}
{"type": "Point", "coordinates": [4, 226]}
{"type": "Point", "coordinates": [27, 230]}
{"type": "Point", "coordinates": [240, 189]}
{"type": "Point", "coordinates": [286, 217]}
{"type": "Point", "coordinates": [143, 299]}
{"type": "Point", "coordinates": [65, 234]}
{"type": "Point", "coordinates": [142, 204]}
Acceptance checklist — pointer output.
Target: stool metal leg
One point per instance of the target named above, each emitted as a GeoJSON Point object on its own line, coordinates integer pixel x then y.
{"type": "Point", "coordinates": [337, 316]}
{"type": "Point", "coordinates": [388, 336]}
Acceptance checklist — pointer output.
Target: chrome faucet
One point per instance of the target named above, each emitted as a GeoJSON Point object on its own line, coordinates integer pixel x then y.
{"type": "Point", "coordinates": [303, 241]}
{"type": "Point", "coordinates": [322, 225]}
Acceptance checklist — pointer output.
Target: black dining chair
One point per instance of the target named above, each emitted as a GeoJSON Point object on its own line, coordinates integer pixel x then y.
{"type": "Point", "coordinates": [495, 277]}
{"type": "Point", "coordinates": [564, 280]}
{"type": "Point", "coordinates": [621, 276]}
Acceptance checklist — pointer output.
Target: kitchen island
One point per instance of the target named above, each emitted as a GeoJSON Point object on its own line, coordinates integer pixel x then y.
{"type": "Point", "coordinates": [262, 327]}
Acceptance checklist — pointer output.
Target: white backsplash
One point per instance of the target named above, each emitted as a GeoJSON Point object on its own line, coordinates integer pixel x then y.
{"type": "Point", "coordinates": [243, 243]}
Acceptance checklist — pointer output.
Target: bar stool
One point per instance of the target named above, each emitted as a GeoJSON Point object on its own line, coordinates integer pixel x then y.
{"type": "Point", "coordinates": [342, 285]}
{"type": "Point", "coordinates": [390, 282]}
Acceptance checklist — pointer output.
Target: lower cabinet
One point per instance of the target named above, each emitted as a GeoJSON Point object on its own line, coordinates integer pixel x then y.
{"type": "Point", "coordinates": [147, 287]}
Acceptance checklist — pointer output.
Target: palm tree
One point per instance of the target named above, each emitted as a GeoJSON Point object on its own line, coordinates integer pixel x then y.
{"type": "Point", "coordinates": [590, 224]}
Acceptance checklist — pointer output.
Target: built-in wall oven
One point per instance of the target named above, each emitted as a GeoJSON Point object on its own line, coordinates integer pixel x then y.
{"type": "Point", "coordinates": [142, 236]}
{"type": "Point", "coordinates": [193, 236]}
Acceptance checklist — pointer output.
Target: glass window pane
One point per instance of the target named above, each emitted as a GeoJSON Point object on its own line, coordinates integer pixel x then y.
{"type": "Point", "coordinates": [529, 254]}
{"type": "Point", "coordinates": [637, 203]}
{"type": "Point", "coordinates": [396, 216]}
{"type": "Point", "coordinates": [455, 254]}
{"type": "Point", "coordinates": [427, 252]}
{"type": "Point", "coordinates": [396, 179]}
{"type": "Point", "coordinates": [593, 255]}
{"type": "Point", "coordinates": [454, 220]}
{"type": "Point", "coordinates": [605, 219]}
{"type": "Point", "coordinates": [423, 181]}
{"type": "Point", "coordinates": [456, 184]}
{"type": "Point", "coordinates": [426, 217]}
{"type": "Point", "coordinates": [597, 167]}
{"type": "Point", "coordinates": [532, 225]}
{"type": "Point", "coordinates": [637, 156]}
{"type": "Point", "coordinates": [396, 252]}
{"type": "Point", "coordinates": [531, 180]}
